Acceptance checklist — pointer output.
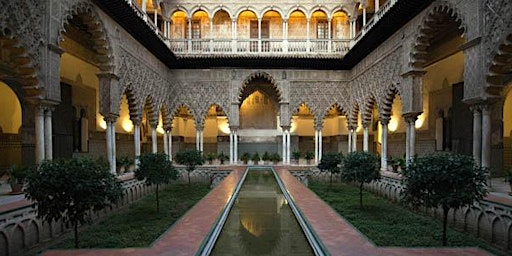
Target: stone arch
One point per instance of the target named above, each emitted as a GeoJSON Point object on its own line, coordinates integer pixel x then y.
{"type": "Point", "coordinates": [179, 8]}
{"type": "Point", "coordinates": [18, 239]}
{"type": "Point", "coordinates": [245, 91]}
{"type": "Point", "coordinates": [21, 66]}
{"type": "Point", "coordinates": [500, 68]}
{"type": "Point", "coordinates": [387, 101]}
{"type": "Point", "coordinates": [367, 111]}
{"type": "Point", "coordinates": [150, 108]}
{"type": "Point", "coordinates": [32, 233]}
{"type": "Point", "coordinates": [247, 8]}
{"type": "Point", "coordinates": [219, 8]}
{"type": "Point", "coordinates": [133, 107]}
{"type": "Point", "coordinates": [99, 36]}
{"type": "Point", "coordinates": [353, 116]}
{"type": "Point", "coordinates": [320, 8]}
{"type": "Point", "coordinates": [166, 116]}
{"type": "Point", "coordinates": [204, 112]}
{"type": "Point", "coordinates": [339, 8]}
{"type": "Point", "coordinates": [433, 22]}
{"type": "Point", "coordinates": [298, 8]}
{"type": "Point", "coordinates": [4, 244]}
{"type": "Point", "coordinates": [175, 112]}
{"type": "Point", "coordinates": [203, 8]}
{"type": "Point", "coordinates": [273, 8]}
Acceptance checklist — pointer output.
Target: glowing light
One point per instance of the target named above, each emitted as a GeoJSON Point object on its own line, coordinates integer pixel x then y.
{"type": "Point", "coordinates": [127, 125]}
{"type": "Point", "coordinates": [223, 124]}
{"type": "Point", "coordinates": [393, 124]}
{"type": "Point", "coordinates": [419, 122]}
{"type": "Point", "coordinates": [101, 122]}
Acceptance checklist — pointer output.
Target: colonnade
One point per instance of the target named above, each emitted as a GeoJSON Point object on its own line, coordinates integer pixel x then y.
{"type": "Point", "coordinates": [43, 132]}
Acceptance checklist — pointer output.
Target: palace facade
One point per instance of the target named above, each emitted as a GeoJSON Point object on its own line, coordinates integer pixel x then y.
{"type": "Point", "coordinates": [123, 77]}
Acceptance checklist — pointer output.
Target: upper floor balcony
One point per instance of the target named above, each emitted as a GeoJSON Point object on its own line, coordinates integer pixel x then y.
{"type": "Point", "coordinates": [276, 29]}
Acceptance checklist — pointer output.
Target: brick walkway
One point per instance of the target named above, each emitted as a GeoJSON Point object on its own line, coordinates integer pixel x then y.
{"type": "Point", "coordinates": [338, 236]}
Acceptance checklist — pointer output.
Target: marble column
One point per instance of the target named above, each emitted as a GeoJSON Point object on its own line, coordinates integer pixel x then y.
{"type": "Point", "coordinates": [197, 140]}
{"type": "Point", "coordinates": [384, 146]}
{"type": "Point", "coordinates": [154, 141]}
{"type": "Point", "coordinates": [201, 141]}
{"type": "Point", "coordinates": [349, 143]}
{"type": "Point", "coordinates": [365, 136]}
{"type": "Point", "coordinates": [284, 146]}
{"type": "Point", "coordinates": [111, 141]}
{"type": "Point", "coordinates": [170, 143]}
{"type": "Point", "coordinates": [48, 142]}
{"type": "Point", "coordinates": [316, 146]}
{"type": "Point", "coordinates": [486, 136]}
{"type": "Point", "coordinates": [235, 147]}
{"type": "Point", "coordinates": [166, 143]}
{"type": "Point", "coordinates": [288, 146]}
{"type": "Point", "coordinates": [231, 146]}
{"type": "Point", "coordinates": [320, 144]}
{"type": "Point", "coordinates": [354, 139]}
{"type": "Point", "coordinates": [477, 134]}
{"type": "Point", "coordinates": [410, 136]}
{"type": "Point", "coordinates": [136, 139]}
{"type": "Point", "coordinates": [39, 134]}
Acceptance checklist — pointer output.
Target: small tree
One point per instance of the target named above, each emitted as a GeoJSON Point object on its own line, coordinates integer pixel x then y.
{"type": "Point", "coordinates": [296, 156]}
{"type": "Point", "coordinates": [68, 189]}
{"type": "Point", "coordinates": [360, 167]}
{"type": "Point", "coordinates": [190, 158]}
{"type": "Point", "coordinates": [210, 157]}
{"type": "Point", "coordinates": [245, 157]}
{"type": "Point", "coordinates": [308, 156]}
{"type": "Point", "coordinates": [266, 157]}
{"type": "Point", "coordinates": [155, 169]}
{"type": "Point", "coordinates": [275, 157]}
{"type": "Point", "coordinates": [222, 157]}
{"type": "Point", "coordinates": [330, 162]}
{"type": "Point", "coordinates": [255, 158]}
{"type": "Point", "coordinates": [444, 180]}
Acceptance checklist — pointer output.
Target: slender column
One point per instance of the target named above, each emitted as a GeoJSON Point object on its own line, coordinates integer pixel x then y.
{"type": "Point", "coordinates": [231, 147]}
{"type": "Point", "coordinates": [316, 146]}
{"type": "Point", "coordinates": [236, 147]}
{"type": "Point", "coordinates": [39, 133]}
{"type": "Point", "coordinates": [384, 147]}
{"type": "Point", "coordinates": [170, 144]}
{"type": "Point", "coordinates": [155, 16]}
{"type": "Point", "coordinates": [259, 35]}
{"type": "Point", "coordinates": [198, 140]}
{"type": "Point", "coordinates": [486, 136]}
{"type": "Point", "coordinates": [354, 140]}
{"type": "Point", "coordinates": [48, 144]}
{"type": "Point", "coordinates": [410, 138]}
{"type": "Point", "coordinates": [376, 6]}
{"type": "Point", "coordinates": [320, 145]}
{"type": "Point", "coordinates": [201, 141]}
{"type": "Point", "coordinates": [477, 134]}
{"type": "Point", "coordinates": [329, 36]}
{"type": "Point", "coordinates": [308, 43]}
{"type": "Point", "coordinates": [136, 139]}
{"type": "Point", "coordinates": [352, 28]}
{"type": "Point", "coordinates": [166, 24]}
{"type": "Point", "coordinates": [154, 141]}
{"type": "Point", "coordinates": [166, 143]}
{"type": "Point", "coordinates": [189, 32]}
{"type": "Point", "coordinates": [233, 35]}
{"type": "Point", "coordinates": [365, 136]}
{"type": "Point", "coordinates": [284, 146]}
{"type": "Point", "coordinates": [144, 6]}
{"type": "Point", "coordinates": [111, 141]}
{"type": "Point", "coordinates": [288, 146]}
{"type": "Point", "coordinates": [364, 16]}
{"type": "Point", "coordinates": [349, 143]}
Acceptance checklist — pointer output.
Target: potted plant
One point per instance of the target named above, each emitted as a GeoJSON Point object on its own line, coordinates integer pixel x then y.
{"type": "Point", "coordinates": [123, 164]}
{"type": "Point", "coordinates": [265, 157]}
{"type": "Point", "coordinates": [308, 156]}
{"type": "Point", "coordinates": [17, 176]}
{"type": "Point", "coordinates": [245, 157]}
{"type": "Point", "coordinates": [210, 157]}
{"type": "Point", "coordinates": [296, 156]}
{"type": "Point", "coordinates": [222, 157]}
{"type": "Point", "coordinates": [275, 157]}
{"type": "Point", "coordinates": [397, 163]}
{"type": "Point", "coordinates": [255, 158]}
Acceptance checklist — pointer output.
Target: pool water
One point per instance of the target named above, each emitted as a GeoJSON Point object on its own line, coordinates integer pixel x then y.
{"type": "Point", "coordinates": [261, 222]}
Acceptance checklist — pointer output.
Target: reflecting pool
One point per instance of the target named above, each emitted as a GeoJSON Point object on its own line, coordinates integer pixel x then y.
{"type": "Point", "coordinates": [261, 222]}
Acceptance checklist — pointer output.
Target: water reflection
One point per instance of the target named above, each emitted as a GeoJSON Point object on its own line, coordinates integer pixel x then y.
{"type": "Point", "coordinates": [261, 222]}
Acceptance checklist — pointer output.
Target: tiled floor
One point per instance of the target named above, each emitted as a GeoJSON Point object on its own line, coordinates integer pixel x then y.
{"type": "Point", "coordinates": [337, 235]}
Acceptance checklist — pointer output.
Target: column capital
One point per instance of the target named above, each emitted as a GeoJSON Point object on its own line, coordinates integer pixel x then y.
{"type": "Point", "coordinates": [366, 123]}
{"type": "Point", "coordinates": [233, 128]}
{"type": "Point", "coordinates": [136, 120]}
{"type": "Point", "coordinates": [285, 127]}
{"type": "Point", "coordinates": [384, 120]}
{"type": "Point", "coordinates": [110, 118]}
{"type": "Point", "coordinates": [107, 75]}
{"type": "Point", "coordinates": [411, 117]}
